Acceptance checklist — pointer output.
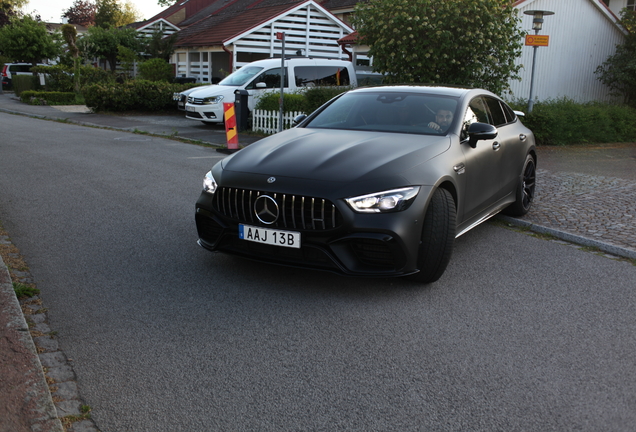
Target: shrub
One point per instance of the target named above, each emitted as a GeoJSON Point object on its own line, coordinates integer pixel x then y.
{"type": "Point", "coordinates": [306, 100]}
{"type": "Point", "coordinates": [156, 69]}
{"type": "Point", "coordinates": [60, 78]}
{"type": "Point", "coordinates": [23, 83]}
{"type": "Point", "coordinates": [292, 102]}
{"type": "Point", "coordinates": [317, 96]}
{"type": "Point", "coordinates": [138, 95]}
{"type": "Point", "coordinates": [33, 97]}
{"type": "Point", "coordinates": [563, 121]}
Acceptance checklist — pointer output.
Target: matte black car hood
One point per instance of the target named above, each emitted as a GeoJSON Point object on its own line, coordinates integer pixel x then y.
{"type": "Point", "coordinates": [336, 155]}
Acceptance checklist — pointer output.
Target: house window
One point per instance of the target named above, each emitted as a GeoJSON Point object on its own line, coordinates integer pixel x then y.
{"type": "Point", "coordinates": [631, 5]}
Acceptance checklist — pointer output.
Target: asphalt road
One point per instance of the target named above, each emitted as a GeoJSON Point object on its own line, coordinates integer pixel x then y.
{"type": "Point", "coordinates": [520, 333]}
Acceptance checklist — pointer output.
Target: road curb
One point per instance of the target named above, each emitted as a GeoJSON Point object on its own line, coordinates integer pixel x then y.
{"type": "Point", "coordinates": [562, 235]}
{"type": "Point", "coordinates": [37, 393]}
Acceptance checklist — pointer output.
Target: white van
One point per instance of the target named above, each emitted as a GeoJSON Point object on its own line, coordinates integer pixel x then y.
{"type": "Point", "coordinates": [259, 77]}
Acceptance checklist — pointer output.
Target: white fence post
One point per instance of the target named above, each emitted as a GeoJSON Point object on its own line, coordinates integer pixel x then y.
{"type": "Point", "coordinates": [267, 121]}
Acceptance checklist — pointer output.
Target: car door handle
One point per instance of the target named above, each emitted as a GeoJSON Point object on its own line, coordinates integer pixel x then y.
{"type": "Point", "coordinates": [496, 146]}
{"type": "Point", "coordinates": [522, 137]}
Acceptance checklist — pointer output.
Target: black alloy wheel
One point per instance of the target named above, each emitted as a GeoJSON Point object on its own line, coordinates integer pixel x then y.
{"type": "Point", "coordinates": [438, 236]}
{"type": "Point", "coordinates": [525, 190]}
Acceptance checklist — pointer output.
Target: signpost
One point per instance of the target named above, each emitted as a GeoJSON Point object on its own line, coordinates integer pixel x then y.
{"type": "Point", "coordinates": [281, 36]}
{"type": "Point", "coordinates": [535, 41]}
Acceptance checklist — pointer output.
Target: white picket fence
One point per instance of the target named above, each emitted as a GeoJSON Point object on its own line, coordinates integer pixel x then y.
{"type": "Point", "coordinates": [267, 121]}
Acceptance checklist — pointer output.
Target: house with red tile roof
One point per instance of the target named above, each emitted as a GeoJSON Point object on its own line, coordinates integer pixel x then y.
{"type": "Point", "coordinates": [218, 36]}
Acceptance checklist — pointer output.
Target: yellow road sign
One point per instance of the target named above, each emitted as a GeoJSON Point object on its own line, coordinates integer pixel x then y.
{"type": "Point", "coordinates": [537, 40]}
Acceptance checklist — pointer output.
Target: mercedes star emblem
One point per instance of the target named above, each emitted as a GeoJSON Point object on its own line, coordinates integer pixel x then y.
{"type": "Point", "coordinates": [266, 209]}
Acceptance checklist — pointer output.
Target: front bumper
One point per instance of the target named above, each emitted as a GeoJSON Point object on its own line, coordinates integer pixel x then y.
{"type": "Point", "coordinates": [370, 245]}
{"type": "Point", "coordinates": [212, 113]}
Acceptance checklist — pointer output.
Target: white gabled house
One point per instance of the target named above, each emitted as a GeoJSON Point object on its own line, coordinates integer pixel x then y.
{"type": "Point", "coordinates": [162, 25]}
{"type": "Point", "coordinates": [218, 36]}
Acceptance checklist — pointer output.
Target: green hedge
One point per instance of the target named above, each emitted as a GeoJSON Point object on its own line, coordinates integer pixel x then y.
{"type": "Point", "coordinates": [317, 96]}
{"type": "Point", "coordinates": [51, 98]}
{"type": "Point", "coordinates": [563, 121]}
{"type": "Point", "coordinates": [292, 102]}
{"type": "Point", "coordinates": [134, 95]}
{"type": "Point", "coordinates": [60, 78]}
{"type": "Point", "coordinates": [306, 100]}
{"type": "Point", "coordinates": [22, 83]}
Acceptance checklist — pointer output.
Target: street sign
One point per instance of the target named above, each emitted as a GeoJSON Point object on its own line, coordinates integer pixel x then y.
{"type": "Point", "coordinates": [537, 40]}
{"type": "Point", "coordinates": [280, 35]}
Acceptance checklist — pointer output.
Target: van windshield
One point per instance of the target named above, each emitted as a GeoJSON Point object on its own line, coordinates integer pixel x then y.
{"type": "Point", "coordinates": [241, 76]}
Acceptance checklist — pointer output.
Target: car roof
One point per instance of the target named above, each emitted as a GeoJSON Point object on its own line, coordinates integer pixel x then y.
{"type": "Point", "coordinates": [425, 89]}
{"type": "Point", "coordinates": [298, 61]}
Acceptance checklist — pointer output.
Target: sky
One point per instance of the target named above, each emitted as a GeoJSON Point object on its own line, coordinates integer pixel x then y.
{"type": "Point", "coordinates": [52, 10]}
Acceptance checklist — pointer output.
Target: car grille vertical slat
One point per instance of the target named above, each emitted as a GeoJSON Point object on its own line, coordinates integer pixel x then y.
{"type": "Point", "coordinates": [322, 214]}
{"type": "Point", "coordinates": [296, 211]}
{"type": "Point", "coordinates": [302, 212]}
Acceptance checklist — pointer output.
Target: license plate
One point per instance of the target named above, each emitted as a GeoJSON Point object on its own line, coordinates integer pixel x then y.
{"type": "Point", "coordinates": [189, 108]}
{"type": "Point", "coordinates": [269, 236]}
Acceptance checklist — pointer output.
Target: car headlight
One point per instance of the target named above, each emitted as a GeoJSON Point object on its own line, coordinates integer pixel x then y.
{"type": "Point", "coordinates": [384, 202]}
{"type": "Point", "coordinates": [209, 184]}
{"type": "Point", "coordinates": [212, 100]}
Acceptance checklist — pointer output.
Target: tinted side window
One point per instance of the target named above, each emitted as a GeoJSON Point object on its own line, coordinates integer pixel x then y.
{"type": "Point", "coordinates": [497, 117]}
{"type": "Point", "coordinates": [309, 76]}
{"type": "Point", "coordinates": [20, 68]}
{"type": "Point", "coordinates": [477, 112]}
{"type": "Point", "coordinates": [510, 114]}
{"type": "Point", "coordinates": [270, 77]}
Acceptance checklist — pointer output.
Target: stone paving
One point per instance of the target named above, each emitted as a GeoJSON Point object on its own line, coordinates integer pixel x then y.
{"type": "Point", "coordinates": [596, 207]}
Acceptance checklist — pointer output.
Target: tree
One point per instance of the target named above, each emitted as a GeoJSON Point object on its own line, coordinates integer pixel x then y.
{"type": "Point", "coordinates": [166, 2]}
{"type": "Point", "coordinates": [82, 12]}
{"type": "Point", "coordinates": [111, 13]}
{"type": "Point", "coordinates": [9, 9]}
{"type": "Point", "coordinates": [618, 72]}
{"type": "Point", "coordinates": [27, 39]}
{"type": "Point", "coordinates": [128, 14]}
{"type": "Point", "coordinates": [160, 46]}
{"type": "Point", "coordinates": [104, 43]}
{"type": "Point", "coordinates": [69, 33]}
{"type": "Point", "coordinates": [457, 42]}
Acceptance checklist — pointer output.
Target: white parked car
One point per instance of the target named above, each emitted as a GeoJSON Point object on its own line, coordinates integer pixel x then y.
{"type": "Point", "coordinates": [260, 77]}
{"type": "Point", "coordinates": [9, 70]}
{"type": "Point", "coordinates": [181, 97]}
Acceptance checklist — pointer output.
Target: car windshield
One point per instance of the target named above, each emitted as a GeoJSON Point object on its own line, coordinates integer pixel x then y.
{"type": "Point", "coordinates": [241, 76]}
{"type": "Point", "coordinates": [400, 112]}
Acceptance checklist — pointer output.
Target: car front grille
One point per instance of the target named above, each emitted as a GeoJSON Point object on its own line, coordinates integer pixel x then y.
{"type": "Point", "coordinates": [295, 211]}
{"type": "Point", "coordinates": [195, 101]}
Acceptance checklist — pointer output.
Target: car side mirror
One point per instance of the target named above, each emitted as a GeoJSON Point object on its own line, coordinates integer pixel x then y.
{"type": "Point", "coordinates": [480, 131]}
{"type": "Point", "coordinates": [261, 85]}
{"type": "Point", "coordinates": [299, 119]}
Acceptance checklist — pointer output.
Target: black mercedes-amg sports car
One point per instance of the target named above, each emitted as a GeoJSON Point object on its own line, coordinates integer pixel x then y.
{"type": "Point", "coordinates": [377, 182]}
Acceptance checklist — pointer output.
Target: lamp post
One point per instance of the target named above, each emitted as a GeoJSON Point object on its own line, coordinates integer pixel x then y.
{"type": "Point", "coordinates": [537, 24]}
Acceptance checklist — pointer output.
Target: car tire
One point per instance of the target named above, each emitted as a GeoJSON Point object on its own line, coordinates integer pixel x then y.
{"type": "Point", "coordinates": [525, 190]}
{"type": "Point", "coordinates": [438, 236]}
